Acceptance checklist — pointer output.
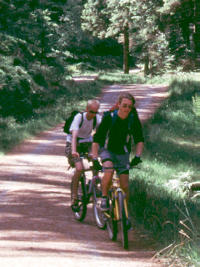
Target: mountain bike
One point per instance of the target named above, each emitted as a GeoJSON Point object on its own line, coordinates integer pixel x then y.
{"type": "Point", "coordinates": [89, 191]}
{"type": "Point", "coordinates": [117, 215]}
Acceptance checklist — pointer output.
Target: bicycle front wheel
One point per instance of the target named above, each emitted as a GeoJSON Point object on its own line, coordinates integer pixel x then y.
{"type": "Point", "coordinates": [82, 203]}
{"type": "Point", "coordinates": [98, 214]}
{"type": "Point", "coordinates": [123, 219]}
{"type": "Point", "coordinates": [111, 223]}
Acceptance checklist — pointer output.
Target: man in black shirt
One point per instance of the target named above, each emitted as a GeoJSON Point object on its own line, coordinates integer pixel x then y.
{"type": "Point", "coordinates": [113, 143]}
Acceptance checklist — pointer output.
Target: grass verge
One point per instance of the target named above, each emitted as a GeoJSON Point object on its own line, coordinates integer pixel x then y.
{"type": "Point", "coordinates": [160, 195]}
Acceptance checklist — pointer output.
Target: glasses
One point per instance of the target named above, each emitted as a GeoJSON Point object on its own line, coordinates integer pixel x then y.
{"type": "Point", "coordinates": [127, 106]}
{"type": "Point", "coordinates": [93, 112]}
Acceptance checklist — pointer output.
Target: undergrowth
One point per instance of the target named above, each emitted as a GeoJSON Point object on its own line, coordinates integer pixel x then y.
{"type": "Point", "coordinates": [171, 160]}
{"type": "Point", "coordinates": [53, 108]}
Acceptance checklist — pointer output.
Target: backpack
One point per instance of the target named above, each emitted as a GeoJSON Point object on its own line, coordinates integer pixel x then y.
{"type": "Point", "coordinates": [69, 120]}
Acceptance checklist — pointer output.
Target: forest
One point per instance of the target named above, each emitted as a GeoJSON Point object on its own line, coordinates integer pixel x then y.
{"type": "Point", "coordinates": [42, 40]}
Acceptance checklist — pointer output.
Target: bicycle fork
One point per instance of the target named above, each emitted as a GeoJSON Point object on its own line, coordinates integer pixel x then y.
{"type": "Point", "coordinates": [116, 207]}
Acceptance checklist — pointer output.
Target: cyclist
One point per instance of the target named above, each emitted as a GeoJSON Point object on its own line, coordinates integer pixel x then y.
{"type": "Point", "coordinates": [113, 143]}
{"type": "Point", "coordinates": [79, 141]}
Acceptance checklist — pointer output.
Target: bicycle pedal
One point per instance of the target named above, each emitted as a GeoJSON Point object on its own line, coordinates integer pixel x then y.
{"type": "Point", "coordinates": [107, 215]}
{"type": "Point", "coordinates": [105, 218]}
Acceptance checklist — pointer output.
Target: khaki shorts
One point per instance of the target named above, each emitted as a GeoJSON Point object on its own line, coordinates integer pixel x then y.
{"type": "Point", "coordinates": [82, 149]}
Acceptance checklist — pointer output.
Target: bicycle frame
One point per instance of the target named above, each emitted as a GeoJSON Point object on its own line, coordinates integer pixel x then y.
{"type": "Point", "coordinates": [117, 213]}
{"type": "Point", "coordinates": [115, 188]}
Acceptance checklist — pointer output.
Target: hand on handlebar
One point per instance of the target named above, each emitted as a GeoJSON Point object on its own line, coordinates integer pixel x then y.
{"type": "Point", "coordinates": [75, 154]}
{"type": "Point", "coordinates": [135, 161]}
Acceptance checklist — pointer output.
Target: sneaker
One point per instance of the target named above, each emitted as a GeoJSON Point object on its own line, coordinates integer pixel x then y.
{"type": "Point", "coordinates": [104, 204]}
{"type": "Point", "coordinates": [128, 224]}
{"type": "Point", "coordinates": [75, 206]}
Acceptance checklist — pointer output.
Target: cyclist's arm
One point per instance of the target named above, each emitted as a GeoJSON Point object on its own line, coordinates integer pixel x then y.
{"type": "Point", "coordinates": [138, 135]}
{"type": "Point", "coordinates": [74, 143]}
{"type": "Point", "coordinates": [101, 133]}
{"type": "Point", "coordinates": [137, 130]}
{"type": "Point", "coordinates": [74, 129]}
{"type": "Point", "coordinates": [95, 149]}
{"type": "Point", "coordinates": [99, 137]}
{"type": "Point", "coordinates": [139, 149]}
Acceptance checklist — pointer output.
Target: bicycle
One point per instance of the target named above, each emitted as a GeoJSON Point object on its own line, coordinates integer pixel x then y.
{"type": "Point", "coordinates": [89, 191]}
{"type": "Point", "coordinates": [117, 213]}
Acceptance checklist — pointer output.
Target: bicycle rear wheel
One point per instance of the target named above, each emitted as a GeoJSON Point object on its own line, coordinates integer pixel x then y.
{"type": "Point", "coordinates": [82, 203]}
{"type": "Point", "coordinates": [123, 219]}
{"type": "Point", "coordinates": [111, 223]}
{"type": "Point", "coordinates": [98, 214]}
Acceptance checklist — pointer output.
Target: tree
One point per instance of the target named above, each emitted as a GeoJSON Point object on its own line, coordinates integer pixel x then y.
{"type": "Point", "coordinates": [149, 41]}
{"type": "Point", "coordinates": [111, 18]}
{"type": "Point", "coordinates": [182, 23]}
{"type": "Point", "coordinates": [136, 21]}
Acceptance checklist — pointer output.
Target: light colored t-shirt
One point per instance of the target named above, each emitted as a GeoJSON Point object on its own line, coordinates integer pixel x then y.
{"type": "Point", "coordinates": [84, 132]}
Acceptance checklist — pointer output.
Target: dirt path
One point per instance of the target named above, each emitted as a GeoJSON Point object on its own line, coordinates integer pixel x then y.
{"type": "Point", "coordinates": [37, 227]}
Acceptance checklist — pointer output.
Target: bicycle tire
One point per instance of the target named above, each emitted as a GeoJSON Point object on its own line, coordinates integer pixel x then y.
{"type": "Point", "coordinates": [98, 214]}
{"type": "Point", "coordinates": [123, 219]}
{"type": "Point", "coordinates": [82, 203]}
{"type": "Point", "coordinates": [111, 223]}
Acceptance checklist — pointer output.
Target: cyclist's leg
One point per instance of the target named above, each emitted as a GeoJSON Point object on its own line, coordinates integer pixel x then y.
{"type": "Point", "coordinates": [123, 171]}
{"type": "Point", "coordinates": [107, 163]}
{"type": "Point", "coordinates": [82, 149]}
{"type": "Point", "coordinates": [107, 177]}
{"type": "Point", "coordinates": [75, 178]}
{"type": "Point", "coordinates": [106, 183]}
{"type": "Point", "coordinates": [124, 183]}
{"type": "Point", "coordinates": [77, 163]}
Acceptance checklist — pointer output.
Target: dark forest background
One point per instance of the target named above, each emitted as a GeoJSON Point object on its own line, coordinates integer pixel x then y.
{"type": "Point", "coordinates": [41, 41]}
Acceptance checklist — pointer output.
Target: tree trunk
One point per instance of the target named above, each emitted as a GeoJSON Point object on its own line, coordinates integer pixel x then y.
{"type": "Point", "coordinates": [126, 50]}
{"type": "Point", "coordinates": [146, 65]}
{"type": "Point", "coordinates": [197, 29]}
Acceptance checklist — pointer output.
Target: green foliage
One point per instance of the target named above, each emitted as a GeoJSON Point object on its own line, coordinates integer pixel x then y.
{"type": "Point", "coordinates": [113, 18]}
{"type": "Point", "coordinates": [170, 163]}
{"type": "Point", "coordinates": [179, 126]}
{"type": "Point", "coordinates": [29, 61]}
{"type": "Point", "coordinates": [40, 110]}
{"type": "Point", "coordinates": [93, 17]}
{"type": "Point", "coordinates": [196, 104]}
{"type": "Point", "coordinates": [180, 21]}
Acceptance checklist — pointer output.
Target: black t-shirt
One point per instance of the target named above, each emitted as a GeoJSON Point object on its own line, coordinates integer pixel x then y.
{"type": "Point", "coordinates": [114, 132]}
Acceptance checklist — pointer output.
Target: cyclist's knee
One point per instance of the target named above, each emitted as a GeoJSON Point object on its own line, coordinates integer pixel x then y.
{"type": "Point", "coordinates": [79, 166]}
{"type": "Point", "coordinates": [124, 181]}
{"type": "Point", "coordinates": [126, 172]}
{"type": "Point", "coordinates": [107, 166]}
{"type": "Point", "coordinates": [79, 169]}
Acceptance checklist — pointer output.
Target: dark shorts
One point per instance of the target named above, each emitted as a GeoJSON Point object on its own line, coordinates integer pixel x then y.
{"type": "Point", "coordinates": [120, 162]}
{"type": "Point", "coordinates": [82, 149]}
